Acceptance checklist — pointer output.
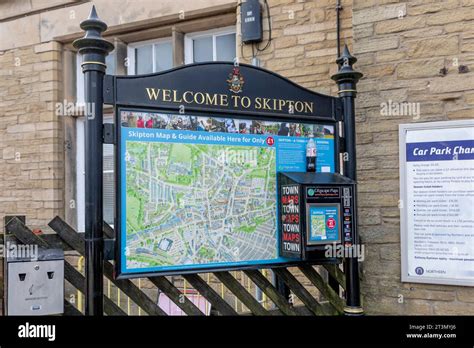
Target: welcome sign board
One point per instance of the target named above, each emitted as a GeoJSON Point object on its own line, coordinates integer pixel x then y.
{"type": "Point", "coordinates": [197, 181]}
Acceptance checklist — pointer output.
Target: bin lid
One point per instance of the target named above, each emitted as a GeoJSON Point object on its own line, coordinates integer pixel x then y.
{"type": "Point", "coordinates": [26, 253]}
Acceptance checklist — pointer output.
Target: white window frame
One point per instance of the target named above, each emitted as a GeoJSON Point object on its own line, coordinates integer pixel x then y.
{"type": "Point", "coordinates": [79, 81]}
{"type": "Point", "coordinates": [80, 174]}
{"type": "Point", "coordinates": [189, 47]}
{"type": "Point", "coordinates": [81, 170]}
{"type": "Point", "coordinates": [131, 52]}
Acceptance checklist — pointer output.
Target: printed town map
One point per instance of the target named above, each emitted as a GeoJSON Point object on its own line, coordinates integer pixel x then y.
{"type": "Point", "coordinates": [318, 225]}
{"type": "Point", "coordinates": [191, 204]}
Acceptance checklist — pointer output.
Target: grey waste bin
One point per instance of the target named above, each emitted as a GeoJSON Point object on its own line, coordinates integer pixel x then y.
{"type": "Point", "coordinates": [35, 281]}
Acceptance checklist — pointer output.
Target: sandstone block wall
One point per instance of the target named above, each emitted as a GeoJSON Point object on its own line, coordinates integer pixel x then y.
{"type": "Point", "coordinates": [31, 156]}
{"type": "Point", "coordinates": [401, 47]}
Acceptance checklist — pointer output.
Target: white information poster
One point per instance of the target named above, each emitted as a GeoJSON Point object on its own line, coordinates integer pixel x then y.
{"type": "Point", "coordinates": [437, 202]}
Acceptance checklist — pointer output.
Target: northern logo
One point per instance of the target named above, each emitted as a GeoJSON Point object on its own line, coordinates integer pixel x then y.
{"type": "Point", "coordinates": [419, 270]}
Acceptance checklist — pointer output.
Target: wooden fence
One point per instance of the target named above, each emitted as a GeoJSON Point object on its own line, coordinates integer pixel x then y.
{"type": "Point", "coordinates": [224, 293]}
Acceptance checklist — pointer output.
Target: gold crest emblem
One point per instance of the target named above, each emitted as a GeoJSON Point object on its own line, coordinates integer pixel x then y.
{"type": "Point", "coordinates": [235, 80]}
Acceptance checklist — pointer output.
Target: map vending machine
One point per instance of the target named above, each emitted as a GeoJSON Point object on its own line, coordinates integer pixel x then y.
{"type": "Point", "coordinates": [315, 210]}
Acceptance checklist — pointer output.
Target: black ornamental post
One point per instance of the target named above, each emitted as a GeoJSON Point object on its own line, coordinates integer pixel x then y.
{"type": "Point", "coordinates": [93, 49]}
{"type": "Point", "coordinates": [346, 79]}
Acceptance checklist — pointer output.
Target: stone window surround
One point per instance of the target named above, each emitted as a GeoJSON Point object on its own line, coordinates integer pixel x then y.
{"type": "Point", "coordinates": [206, 19]}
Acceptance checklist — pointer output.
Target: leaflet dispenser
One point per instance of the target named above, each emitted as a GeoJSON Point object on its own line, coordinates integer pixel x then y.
{"type": "Point", "coordinates": [315, 209]}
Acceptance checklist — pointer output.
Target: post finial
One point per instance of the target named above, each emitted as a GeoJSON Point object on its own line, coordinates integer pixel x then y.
{"type": "Point", "coordinates": [92, 46]}
{"type": "Point", "coordinates": [93, 13]}
{"type": "Point", "coordinates": [346, 77]}
{"type": "Point", "coordinates": [346, 56]}
{"type": "Point", "coordinates": [93, 22]}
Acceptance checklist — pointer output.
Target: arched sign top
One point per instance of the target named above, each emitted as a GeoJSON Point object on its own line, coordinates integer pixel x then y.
{"type": "Point", "coordinates": [221, 87]}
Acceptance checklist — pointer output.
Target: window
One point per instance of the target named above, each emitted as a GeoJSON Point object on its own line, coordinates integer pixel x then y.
{"type": "Point", "coordinates": [150, 56]}
{"type": "Point", "coordinates": [143, 58]}
{"type": "Point", "coordinates": [211, 45]}
{"type": "Point", "coordinates": [108, 181]}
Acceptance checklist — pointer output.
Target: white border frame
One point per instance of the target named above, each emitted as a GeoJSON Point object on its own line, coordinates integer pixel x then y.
{"type": "Point", "coordinates": [131, 52]}
{"type": "Point", "coordinates": [402, 132]}
{"type": "Point", "coordinates": [188, 41]}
